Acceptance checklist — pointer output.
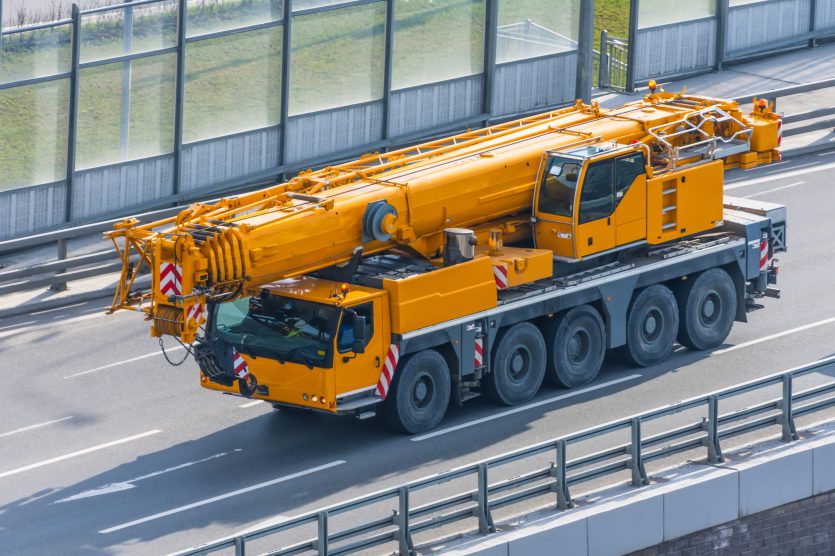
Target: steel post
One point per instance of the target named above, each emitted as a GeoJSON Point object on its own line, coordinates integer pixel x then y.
{"type": "Point", "coordinates": [634, 8]}
{"type": "Point", "coordinates": [585, 51]}
{"type": "Point", "coordinates": [285, 81]}
{"type": "Point", "coordinates": [813, 16]}
{"type": "Point", "coordinates": [485, 519]}
{"type": "Point", "coordinates": [387, 69]}
{"type": "Point", "coordinates": [182, 22]}
{"type": "Point", "coordinates": [639, 474]}
{"type": "Point", "coordinates": [491, 31]}
{"type": "Point", "coordinates": [72, 116]}
{"type": "Point", "coordinates": [124, 108]}
{"type": "Point", "coordinates": [787, 418]}
{"type": "Point", "coordinates": [603, 63]}
{"type": "Point", "coordinates": [240, 546]}
{"type": "Point", "coordinates": [714, 450]}
{"type": "Point", "coordinates": [1, 38]}
{"type": "Point", "coordinates": [563, 496]}
{"type": "Point", "coordinates": [404, 534]}
{"type": "Point", "coordinates": [722, 7]}
{"type": "Point", "coordinates": [322, 527]}
{"type": "Point", "coordinates": [62, 254]}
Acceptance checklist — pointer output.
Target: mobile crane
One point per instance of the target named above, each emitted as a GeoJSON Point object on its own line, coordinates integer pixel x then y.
{"type": "Point", "coordinates": [484, 263]}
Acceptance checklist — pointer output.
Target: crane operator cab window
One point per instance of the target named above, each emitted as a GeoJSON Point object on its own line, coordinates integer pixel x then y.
{"type": "Point", "coordinates": [556, 196]}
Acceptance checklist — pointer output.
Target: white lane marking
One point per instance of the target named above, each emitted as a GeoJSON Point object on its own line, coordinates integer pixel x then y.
{"type": "Point", "coordinates": [774, 189]}
{"type": "Point", "coordinates": [117, 363]}
{"type": "Point", "coordinates": [521, 408]}
{"type": "Point", "coordinates": [251, 404]}
{"type": "Point", "coordinates": [222, 497]}
{"type": "Point", "coordinates": [773, 336]}
{"type": "Point", "coordinates": [76, 454]}
{"type": "Point", "coordinates": [31, 427]}
{"type": "Point", "coordinates": [783, 175]}
{"type": "Point", "coordinates": [36, 327]}
{"type": "Point", "coordinates": [129, 484]}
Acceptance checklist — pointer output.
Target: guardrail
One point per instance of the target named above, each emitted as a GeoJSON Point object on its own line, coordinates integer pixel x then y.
{"type": "Point", "coordinates": [55, 275]}
{"type": "Point", "coordinates": [560, 474]}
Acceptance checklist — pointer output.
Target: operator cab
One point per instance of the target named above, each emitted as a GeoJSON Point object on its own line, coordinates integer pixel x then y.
{"type": "Point", "coordinates": [590, 200]}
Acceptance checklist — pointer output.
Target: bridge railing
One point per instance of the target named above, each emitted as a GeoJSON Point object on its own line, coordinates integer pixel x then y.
{"type": "Point", "coordinates": [564, 470]}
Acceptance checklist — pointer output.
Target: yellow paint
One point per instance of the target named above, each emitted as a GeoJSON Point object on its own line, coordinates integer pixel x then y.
{"type": "Point", "coordinates": [523, 265]}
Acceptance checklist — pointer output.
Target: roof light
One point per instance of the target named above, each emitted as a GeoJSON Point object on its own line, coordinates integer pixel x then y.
{"type": "Point", "coordinates": [344, 288]}
{"type": "Point", "coordinates": [652, 85]}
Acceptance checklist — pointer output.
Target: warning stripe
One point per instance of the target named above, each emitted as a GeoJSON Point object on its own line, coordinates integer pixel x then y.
{"type": "Point", "coordinates": [387, 375]}
{"type": "Point", "coordinates": [170, 279]}
{"type": "Point", "coordinates": [500, 274]}
{"type": "Point", "coordinates": [764, 254]}
{"type": "Point", "coordinates": [239, 367]}
{"type": "Point", "coordinates": [479, 353]}
{"type": "Point", "coordinates": [195, 312]}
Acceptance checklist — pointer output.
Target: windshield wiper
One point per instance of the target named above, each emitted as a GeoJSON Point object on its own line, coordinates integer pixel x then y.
{"type": "Point", "coordinates": [306, 358]}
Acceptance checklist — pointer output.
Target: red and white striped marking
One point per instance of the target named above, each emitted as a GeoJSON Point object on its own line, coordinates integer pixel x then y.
{"type": "Point", "coordinates": [195, 312]}
{"type": "Point", "coordinates": [239, 366]}
{"type": "Point", "coordinates": [387, 376]}
{"type": "Point", "coordinates": [170, 279]}
{"type": "Point", "coordinates": [479, 353]}
{"type": "Point", "coordinates": [500, 274]}
{"type": "Point", "coordinates": [764, 253]}
{"type": "Point", "coordinates": [779, 131]}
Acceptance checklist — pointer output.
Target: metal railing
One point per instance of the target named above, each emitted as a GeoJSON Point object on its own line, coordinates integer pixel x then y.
{"type": "Point", "coordinates": [612, 62]}
{"type": "Point", "coordinates": [562, 472]}
{"type": "Point", "coordinates": [55, 275]}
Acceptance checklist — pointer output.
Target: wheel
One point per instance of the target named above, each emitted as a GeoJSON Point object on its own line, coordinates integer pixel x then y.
{"type": "Point", "coordinates": [518, 365]}
{"type": "Point", "coordinates": [419, 396]}
{"type": "Point", "coordinates": [651, 326]}
{"type": "Point", "coordinates": [707, 305]}
{"type": "Point", "coordinates": [576, 341]}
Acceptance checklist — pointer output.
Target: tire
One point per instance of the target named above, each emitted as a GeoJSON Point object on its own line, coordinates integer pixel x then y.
{"type": "Point", "coordinates": [419, 396]}
{"type": "Point", "coordinates": [708, 306]}
{"type": "Point", "coordinates": [518, 365]}
{"type": "Point", "coordinates": [576, 341]}
{"type": "Point", "coordinates": [651, 326]}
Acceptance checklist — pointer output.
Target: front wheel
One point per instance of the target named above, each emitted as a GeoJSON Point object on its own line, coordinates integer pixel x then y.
{"type": "Point", "coordinates": [419, 396]}
{"type": "Point", "coordinates": [651, 326]}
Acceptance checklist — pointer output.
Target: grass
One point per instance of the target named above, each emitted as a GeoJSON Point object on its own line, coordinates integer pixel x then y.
{"type": "Point", "coordinates": [233, 83]}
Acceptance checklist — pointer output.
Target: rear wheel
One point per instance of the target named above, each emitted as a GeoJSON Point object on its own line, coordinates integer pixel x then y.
{"type": "Point", "coordinates": [518, 365]}
{"type": "Point", "coordinates": [652, 326]}
{"type": "Point", "coordinates": [576, 343]}
{"type": "Point", "coordinates": [419, 396]}
{"type": "Point", "coordinates": [707, 306]}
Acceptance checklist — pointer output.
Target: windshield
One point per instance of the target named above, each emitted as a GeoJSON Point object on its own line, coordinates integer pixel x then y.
{"type": "Point", "coordinates": [280, 328]}
{"type": "Point", "coordinates": [556, 194]}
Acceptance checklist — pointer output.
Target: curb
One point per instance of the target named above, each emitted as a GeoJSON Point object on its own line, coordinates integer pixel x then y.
{"type": "Point", "coordinates": [37, 306]}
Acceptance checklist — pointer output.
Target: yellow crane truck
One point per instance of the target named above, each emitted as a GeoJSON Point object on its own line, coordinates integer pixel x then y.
{"type": "Point", "coordinates": [481, 263]}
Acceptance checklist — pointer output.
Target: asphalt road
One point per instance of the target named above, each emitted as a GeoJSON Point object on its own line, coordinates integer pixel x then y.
{"type": "Point", "coordinates": [105, 448]}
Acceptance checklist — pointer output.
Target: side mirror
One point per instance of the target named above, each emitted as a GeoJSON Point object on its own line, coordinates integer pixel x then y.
{"type": "Point", "coordinates": [358, 345]}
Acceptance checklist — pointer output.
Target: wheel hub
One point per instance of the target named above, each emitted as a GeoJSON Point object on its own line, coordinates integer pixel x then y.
{"type": "Point", "coordinates": [422, 392]}
{"type": "Point", "coordinates": [652, 325]}
{"type": "Point", "coordinates": [710, 309]}
{"type": "Point", "coordinates": [578, 347]}
{"type": "Point", "coordinates": [519, 364]}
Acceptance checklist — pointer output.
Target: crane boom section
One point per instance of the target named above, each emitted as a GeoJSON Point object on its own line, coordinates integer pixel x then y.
{"type": "Point", "coordinates": [480, 179]}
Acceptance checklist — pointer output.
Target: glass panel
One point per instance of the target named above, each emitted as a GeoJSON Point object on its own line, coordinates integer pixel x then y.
{"type": "Point", "coordinates": [210, 16]}
{"type": "Point", "coordinates": [337, 58]}
{"type": "Point", "coordinates": [556, 196]}
{"type": "Point", "coordinates": [627, 169]}
{"type": "Point", "coordinates": [299, 5]}
{"type": "Point", "coordinates": [596, 198]}
{"type": "Point", "coordinates": [427, 31]}
{"type": "Point", "coordinates": [33, 135]}
{"type": "Point", "coordinates": [107, 34]}
{"type": "Point", "coordinates": [232, 84]}
{"type": "Point", "coordinates": [743, 2]}
{"type": "Point", "coordinates": [531, 28]}
{"type": "Point", "coordinates": [126, 110]}
{"type": "Point", "coordinates": [661, 12]}
{"type": "Point", "coordinates": [36, 53]}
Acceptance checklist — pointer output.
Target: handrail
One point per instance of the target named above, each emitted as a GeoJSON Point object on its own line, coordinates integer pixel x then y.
{"type": "Point", "coordinates": [561, 473]}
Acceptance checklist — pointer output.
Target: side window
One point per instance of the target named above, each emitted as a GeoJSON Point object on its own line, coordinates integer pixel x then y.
{"type": "Point", "coordinates": [597, 197]}
{"type": "Point", "coordinates": [345, 336]}
{"type": "Point", "coordinates": [626, 170]}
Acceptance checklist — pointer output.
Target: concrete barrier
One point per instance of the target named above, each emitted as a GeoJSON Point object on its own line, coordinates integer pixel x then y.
{"type": "Point", "coordinates": [680, 501]}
